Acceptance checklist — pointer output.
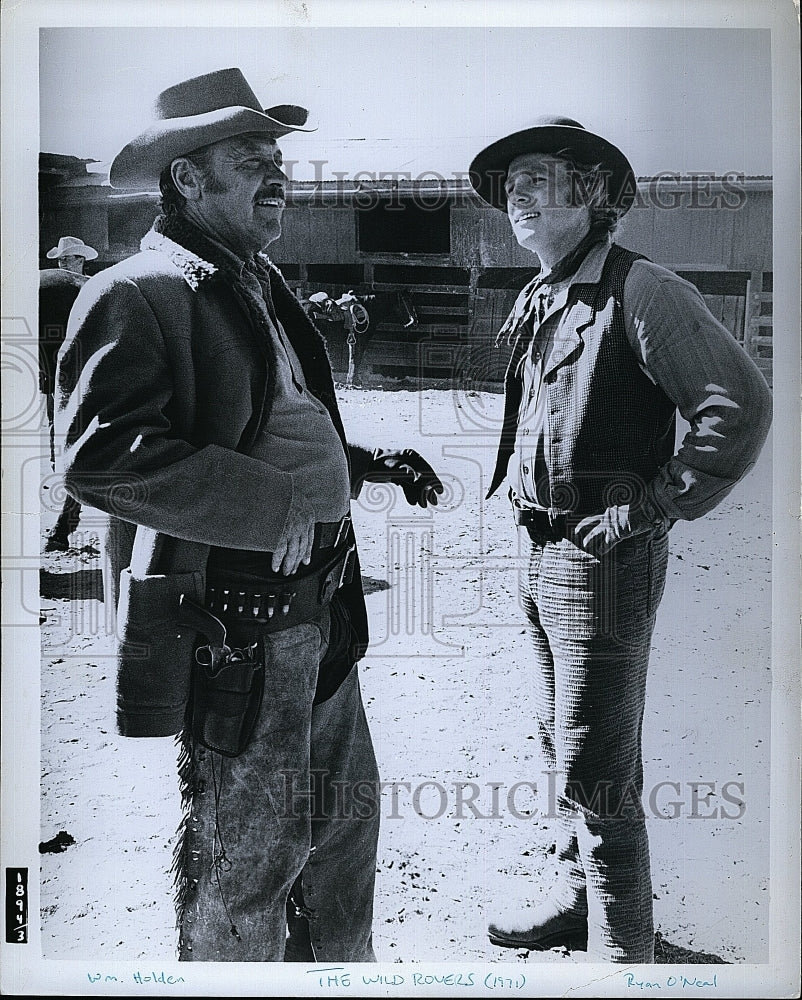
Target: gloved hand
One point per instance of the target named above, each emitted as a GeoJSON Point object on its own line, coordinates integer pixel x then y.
{"type": "Point", "coordinates": [599, 533]}
{"type": "Point", "coordinates": [410, 471]}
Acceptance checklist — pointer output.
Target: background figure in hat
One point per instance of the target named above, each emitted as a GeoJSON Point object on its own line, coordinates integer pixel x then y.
{"type": "Point", "coordinates": [606, 347]}
{"type": "Point", "coordinates": [58, 290]}
{"type": "Point", "coordinates": [196, 406]}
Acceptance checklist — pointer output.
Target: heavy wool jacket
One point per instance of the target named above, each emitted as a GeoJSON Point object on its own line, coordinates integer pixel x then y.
{"type": "Point", "coordinates": [164, 381]}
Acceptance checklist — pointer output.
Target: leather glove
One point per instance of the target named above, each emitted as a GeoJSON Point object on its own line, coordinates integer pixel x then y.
{"type": "Point", "coordinates": [599, 533]}
{"type": "Point", "coordinates": [410, 471]}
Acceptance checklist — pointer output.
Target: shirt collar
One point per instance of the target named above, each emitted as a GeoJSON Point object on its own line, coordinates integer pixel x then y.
{"type": "Point", "coordinates": [589, 271]}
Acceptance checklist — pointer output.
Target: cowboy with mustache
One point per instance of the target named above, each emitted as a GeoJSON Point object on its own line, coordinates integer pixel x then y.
{"type": "Point", "coordinates": [197, 408]}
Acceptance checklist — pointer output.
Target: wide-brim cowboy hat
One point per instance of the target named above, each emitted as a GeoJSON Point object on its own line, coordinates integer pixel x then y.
{"type": "Point", "coordinates": [553, 135]}
{"type": "Point", "coordinates": [196, 113]}
{"type": "Point", "coordinates": [71, 246]}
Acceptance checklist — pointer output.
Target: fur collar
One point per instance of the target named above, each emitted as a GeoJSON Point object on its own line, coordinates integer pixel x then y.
{"type": "Point", "coordinates": [194, 268]}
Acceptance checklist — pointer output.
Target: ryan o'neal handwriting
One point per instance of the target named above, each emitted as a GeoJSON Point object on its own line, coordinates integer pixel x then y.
{"type": "Point", "coordinates": [684, 982]}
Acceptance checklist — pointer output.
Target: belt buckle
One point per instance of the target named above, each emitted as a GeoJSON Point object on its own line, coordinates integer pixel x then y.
{"type": "Point", "coordinates": [342, 531]}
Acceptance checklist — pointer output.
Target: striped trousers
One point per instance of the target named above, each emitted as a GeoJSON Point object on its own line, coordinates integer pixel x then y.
{"type": "Point", "coordinates": [591, 622]}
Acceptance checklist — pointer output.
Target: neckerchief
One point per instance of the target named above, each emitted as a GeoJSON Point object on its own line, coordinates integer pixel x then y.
{"type": "Point", "coordinates": [532, 296]}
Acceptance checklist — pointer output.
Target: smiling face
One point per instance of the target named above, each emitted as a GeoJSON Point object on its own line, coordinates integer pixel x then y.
{"type": "Point", "coordinates": [542, 208]}
{"type": "Point", "coordinates": [238, 195]}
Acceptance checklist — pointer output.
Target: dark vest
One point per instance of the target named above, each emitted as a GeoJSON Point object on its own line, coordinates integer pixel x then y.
{"type": "Point", "coordinates": [610, 429]}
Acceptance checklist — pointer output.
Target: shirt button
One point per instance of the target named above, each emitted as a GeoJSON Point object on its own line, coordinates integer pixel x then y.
{"type": "Point", "coordinates": [526, 470]}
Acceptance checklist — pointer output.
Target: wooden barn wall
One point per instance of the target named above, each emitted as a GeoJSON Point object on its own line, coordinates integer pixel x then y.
{"type": "Point", "coordinates": [316, 235]}
{"type": "Point", "coordinates": [685, 238]}
{"type": "Point", "coordinates": [726, 251]}
{"type": "Point", "coordinates": [700, 238]}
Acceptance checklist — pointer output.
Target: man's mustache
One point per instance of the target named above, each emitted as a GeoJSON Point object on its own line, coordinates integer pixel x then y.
{"type": "Point", "coordinates": [273, 191]}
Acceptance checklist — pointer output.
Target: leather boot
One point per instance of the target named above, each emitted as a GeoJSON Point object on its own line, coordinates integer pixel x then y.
{"type": "Point", "coordinates": [539, 928]}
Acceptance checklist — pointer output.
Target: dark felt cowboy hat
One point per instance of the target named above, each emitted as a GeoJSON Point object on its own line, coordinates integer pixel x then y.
{"type": "Point", "coordinates": [552, 134]}
{"type": "Point", "coordinates": [195, 113]}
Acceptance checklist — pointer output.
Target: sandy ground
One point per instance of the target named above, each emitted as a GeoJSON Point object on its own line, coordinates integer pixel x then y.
{"type": "Point", "coordinates": [449, 702]}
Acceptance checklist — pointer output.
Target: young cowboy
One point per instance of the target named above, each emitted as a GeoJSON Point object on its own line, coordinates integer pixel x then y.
{"type": "Point", "coordinates": [606, 347]}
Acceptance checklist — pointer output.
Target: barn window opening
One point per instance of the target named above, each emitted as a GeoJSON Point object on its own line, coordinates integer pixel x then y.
{"type": "Point", "coordinates": [394, 225]}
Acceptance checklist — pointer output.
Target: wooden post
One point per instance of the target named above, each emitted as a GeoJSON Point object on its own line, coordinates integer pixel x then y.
{"type": "Point", "coordinates": [754, 292]}
{"type": "Point", "coordinates": [757, 327]}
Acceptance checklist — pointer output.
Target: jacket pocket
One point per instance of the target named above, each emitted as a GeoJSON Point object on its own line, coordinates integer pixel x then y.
{"type": "Point", "coordinates": [155, 654]}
